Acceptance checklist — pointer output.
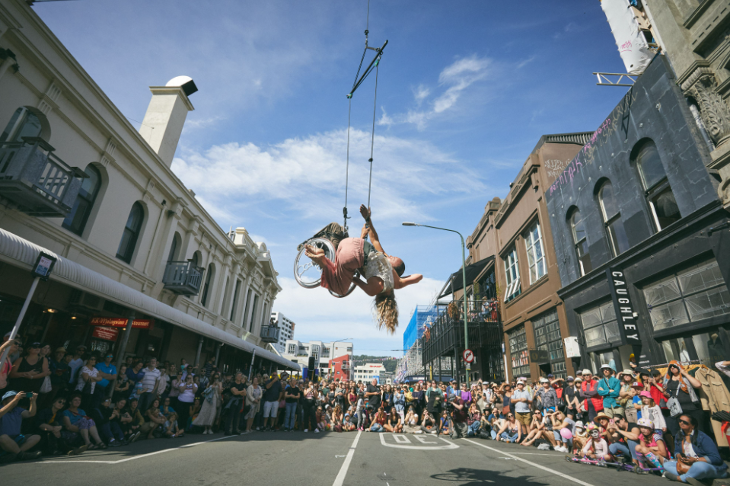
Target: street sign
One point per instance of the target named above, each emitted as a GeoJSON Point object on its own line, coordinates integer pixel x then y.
{"type": "Point", "coordinates": [468, 355]}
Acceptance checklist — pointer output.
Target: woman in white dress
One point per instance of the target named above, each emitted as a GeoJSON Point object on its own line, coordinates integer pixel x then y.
{"type": "Point", "coordinates": [253, 400]}
{"type": "Point", "coordinates": [211, 402]}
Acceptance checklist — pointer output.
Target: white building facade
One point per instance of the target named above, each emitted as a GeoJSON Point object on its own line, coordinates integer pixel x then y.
{"type": "Point", "coordinates": [131, 241]}
{"type": "Point", "coordinates": [368, 371]}
{"type": "Point", "coordinates": [286, 330]}
{"type": "Point", "coordinates": [322, 352]}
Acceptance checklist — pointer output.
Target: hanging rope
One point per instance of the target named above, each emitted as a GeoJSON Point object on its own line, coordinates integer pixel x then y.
{"type": "Point", "coordinates": [359, 79]}
{"type": "Point", "coordinates": [372, 137]}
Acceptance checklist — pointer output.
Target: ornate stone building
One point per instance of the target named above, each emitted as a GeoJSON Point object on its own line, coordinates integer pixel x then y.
{"type": "Point", "coordinates": [695, 37]}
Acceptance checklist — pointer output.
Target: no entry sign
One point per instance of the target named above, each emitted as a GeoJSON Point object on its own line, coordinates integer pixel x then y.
{"type": "Point", "coordinates": [468, 355]}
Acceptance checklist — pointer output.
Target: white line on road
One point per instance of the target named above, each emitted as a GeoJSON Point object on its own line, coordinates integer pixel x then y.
{"type": "Point", "coordinates": [136, 457]}
{"type": "Point", "coordinates": [569, 478]}
{"type": "Point", "coordinates": [346, 464]}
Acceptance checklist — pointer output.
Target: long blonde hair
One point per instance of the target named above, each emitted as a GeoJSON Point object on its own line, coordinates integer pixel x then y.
{"type": "Point", "coordinates": [386, 309]}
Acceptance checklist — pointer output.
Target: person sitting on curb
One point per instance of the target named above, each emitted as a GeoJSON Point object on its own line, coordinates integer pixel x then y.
{"type": "Point", "coordinates": [12, 441]}
{"type": "Point", "coordinates": [696, 455]}
{"type": "Point", "coordinates": [76, 421]}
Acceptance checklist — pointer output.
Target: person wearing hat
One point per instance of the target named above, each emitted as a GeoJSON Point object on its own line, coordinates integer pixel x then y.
{"type": "Point", "coordinates": [626, 392]}
{"type": "Point", "coordinates": [651, 411]}
{"type": "Point", "coordinates": [609, 388]}
{"type": "Point", "coordinates": [596, 447]}
{"type": "Point", "coordinates": [546, 396]}
{"type": "Point", "coordinates": [592, 401]}
{"type": "Point", "coordinates": [30, 370]}
{"type": "Point", "coordinates": [603, 421]}
{"type": "Point", "coordinates": [651, 450]}
{"type": "Point", "coordinates": [522, 399]}
{"type": "Point", "coordinates": [580, 437]}
{"type": "Point", "coordinates": [12, 441]}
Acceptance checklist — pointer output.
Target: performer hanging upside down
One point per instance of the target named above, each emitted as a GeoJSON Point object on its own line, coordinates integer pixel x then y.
{"type": "Point", "coordinates": [383, 272]}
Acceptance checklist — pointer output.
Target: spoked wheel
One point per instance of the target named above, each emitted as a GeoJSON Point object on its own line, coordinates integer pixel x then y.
{"type": "Point", "coordinates": [306, 272]}
{"type": "Point", "coordinates": [349, 291]}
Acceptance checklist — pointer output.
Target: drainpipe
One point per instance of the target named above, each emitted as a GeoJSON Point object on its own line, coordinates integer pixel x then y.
{"type": "Point", "coordinates": [200, 349]}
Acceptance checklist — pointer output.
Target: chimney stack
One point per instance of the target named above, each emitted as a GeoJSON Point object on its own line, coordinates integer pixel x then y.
{"type": "Point", "coordinates": [165, 117]}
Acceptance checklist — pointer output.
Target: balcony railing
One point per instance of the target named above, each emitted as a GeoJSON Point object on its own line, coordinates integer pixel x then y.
{"type": "Point", "coordinates": [183, 278]}
{"type": "Point", "coordinates": [270, 334]}
{"type": "Point", "coordinates": [35, 179]}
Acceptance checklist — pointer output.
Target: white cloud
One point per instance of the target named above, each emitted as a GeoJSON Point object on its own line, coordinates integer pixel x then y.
{"type": "Point", "coordinates": [308, 175]}
{"type": "Point", "coordinates": [454, 80]}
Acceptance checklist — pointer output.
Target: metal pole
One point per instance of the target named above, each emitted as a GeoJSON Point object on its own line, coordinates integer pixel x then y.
{"type": "Point", "coordinates": [200, 349]}
{"type": "Point", "coordinates": [19, 320]}
{"type": "Point", "coordinates": [466, 322]}
{"type": "Point", "coordinates": [250, 370]}
{"type": "Point", "coordinates": [123, 347]}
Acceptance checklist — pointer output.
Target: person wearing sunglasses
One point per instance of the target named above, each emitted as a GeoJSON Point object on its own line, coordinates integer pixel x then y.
{"type": "Point", "coordinates": [697, 459]}
{"type": "Point", "coordinates": [510, 431]}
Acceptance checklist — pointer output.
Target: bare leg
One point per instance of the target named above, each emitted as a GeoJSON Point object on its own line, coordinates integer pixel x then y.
{"type": "Point", "coordinates": [8, 445]}
{"type": "Point", "coordinates": [95, 434]}
{"type": "Point", "coordinates": [30, 442]}
{"type": "Point", "coordinates": [249, 423]}
{"type": "Point", "coordinates": [85, 435]}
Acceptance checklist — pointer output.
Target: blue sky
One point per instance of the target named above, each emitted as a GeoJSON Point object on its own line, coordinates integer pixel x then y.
{"type": "Point", "coordinates": [466, 88]}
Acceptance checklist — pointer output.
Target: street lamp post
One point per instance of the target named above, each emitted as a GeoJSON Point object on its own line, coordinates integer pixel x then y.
{"type": "Point", "coordinates": [463, 276]}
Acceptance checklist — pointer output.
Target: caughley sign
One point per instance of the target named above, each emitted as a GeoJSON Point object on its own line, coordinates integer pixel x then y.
{"type": "Point", "coordinates": [623, 306]}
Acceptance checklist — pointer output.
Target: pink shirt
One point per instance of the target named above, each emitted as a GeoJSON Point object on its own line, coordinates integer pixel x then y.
{"type": "Point", "coordinates": [600, 445]}
{"type": "Point", "coordinates": [350, 256]}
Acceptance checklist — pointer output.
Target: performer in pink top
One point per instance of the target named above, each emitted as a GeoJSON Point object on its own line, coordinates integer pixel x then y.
{"type": "Point", "coordinates": [382, 272]}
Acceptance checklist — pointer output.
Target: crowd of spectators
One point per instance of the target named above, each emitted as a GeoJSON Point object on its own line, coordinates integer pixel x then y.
{"type": "Point", "coordinates": [62, 403]}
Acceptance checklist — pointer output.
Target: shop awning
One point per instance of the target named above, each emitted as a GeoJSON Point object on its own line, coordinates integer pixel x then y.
{"type": "Point", "coordinates": [18, 251]}
{"type": "Point", "coordinates": [455, 281]}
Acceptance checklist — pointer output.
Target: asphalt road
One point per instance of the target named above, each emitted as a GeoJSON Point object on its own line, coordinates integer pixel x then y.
{"type": "Point", "coordinates": [296, 458]}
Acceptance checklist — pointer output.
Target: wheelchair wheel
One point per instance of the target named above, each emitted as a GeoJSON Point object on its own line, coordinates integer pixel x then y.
{"type": "Point", "coordinates": [306, 272]}
{"type": "Point", "coordinates": [349, 291]}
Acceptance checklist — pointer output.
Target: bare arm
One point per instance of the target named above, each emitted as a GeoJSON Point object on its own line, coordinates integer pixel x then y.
{"type": "Point", "coordinates": [374, 239]}
{"type": "Point", "coordinates": [400, 282]}
{"type": "Point", "coordinates": [372, 287]}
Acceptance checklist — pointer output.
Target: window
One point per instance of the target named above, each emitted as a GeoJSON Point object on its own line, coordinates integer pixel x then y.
{"type": "Point", "coordinates": [600, 325]}
{"type": "Point", "coordinates": [547, 338]}
{"type": "Point", "coordinates": [518, 351]}
{"type": "Point", "coordinates": [236, 292]}
{"type": "Point", "coordinates": [76, 219]}
{"type": "Point", "coordinates": [659, 195]}
{"type": "Point", "coordinates": [253, 312]}
{"type": "Point", "coordinates": [612, 220]}
{"type": "Point", "coordinates": [23, 123]}
{"type": "Point", "coordinates": [688, 296]}
{"type": "Point", "coordinates": [535, 253]}
{"type": "Point", "coordinates": [578, 230]}
{"type": "Point", "coordinates": [513, 276]}
{"type": "Point", "coordinates": [206, 286]}
{"type": "Point", "coordinates": [131, 233]}
{"type": "Point", "coordinates": [292, 349]}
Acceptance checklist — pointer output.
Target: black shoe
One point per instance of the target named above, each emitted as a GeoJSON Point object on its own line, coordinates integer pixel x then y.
{"type": "Point", "coordinates": [27, 456]}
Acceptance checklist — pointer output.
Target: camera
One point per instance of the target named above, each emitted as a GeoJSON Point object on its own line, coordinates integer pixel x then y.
{"type": "Point", "coordinates": [449, 405]}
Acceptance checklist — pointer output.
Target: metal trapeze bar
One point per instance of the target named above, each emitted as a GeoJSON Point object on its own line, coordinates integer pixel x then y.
{"type": "Point", "coordinates": [603, 79]}
{"type": "Point", "coordinates": [367, 70]}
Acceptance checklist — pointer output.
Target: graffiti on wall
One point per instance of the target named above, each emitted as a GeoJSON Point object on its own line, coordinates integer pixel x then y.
{"type": "Point", "coordinates": [600, 136]}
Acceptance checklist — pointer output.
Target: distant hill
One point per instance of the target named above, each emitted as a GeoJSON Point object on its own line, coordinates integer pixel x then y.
{"type": "Point", "coordinates": [389, 362]}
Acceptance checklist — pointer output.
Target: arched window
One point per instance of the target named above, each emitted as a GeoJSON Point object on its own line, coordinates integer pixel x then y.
{"type": "Point", "coordinates": [176, 240]}
{"type": "Point", "coordinates": [196, 259]}
{"type": "Point", "coordinates": [612, 219]}
{"type": "Point", "coordinates": [206, 287]}
{"type": "Point", "coordinates": [23, 123]}
{"type": "Point", "coordinates": [659, 195]}
{"type": "Point", "coordinates": [76, 219]}
{"type": "Point", "coordinates": [580, 244]}
{"type": "Point", "coordinates": [131, 233]}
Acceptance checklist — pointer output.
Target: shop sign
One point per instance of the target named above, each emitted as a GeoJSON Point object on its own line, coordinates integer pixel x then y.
{"type": "Point", "coordinates": [623, 306]}
{"type": "Point", "coordinates": [121, 322]}
{"type": "Point", "coordinates": [539, 356]}
{"type": "Point", "coordinates": [105, 333]}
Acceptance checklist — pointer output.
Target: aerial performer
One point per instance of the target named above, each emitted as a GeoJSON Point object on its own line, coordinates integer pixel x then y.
{"type": "Point", "coordinates": [356, 257]}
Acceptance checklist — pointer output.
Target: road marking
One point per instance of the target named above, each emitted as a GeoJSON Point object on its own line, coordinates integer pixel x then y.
{"type": "Point", "coordinates": [346, 464]}
{"type": "Point", "coordinates": [436, 447]}
{"type": "Point", "coordinates": [136, 457]}
{"type": "Point", "coordinates": [563, 475]}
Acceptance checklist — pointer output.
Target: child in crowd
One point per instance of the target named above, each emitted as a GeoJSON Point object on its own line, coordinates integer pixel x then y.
{"type": "Point", "coordinates": [171, 427]}
{"type": "Point", "coordinates": [445, 423]}
{"type": "Point", "coordinates": [580, 437]}
{"type": "Point", "coordinates": [596, 447]}
{"type": "Point", "coordinates": [651, 451]}
{"type": "Point", "coordinates": [320, 419]}
{"type": "Point", "coordinates": [651, 411]}
{"type": "Point", "coordinates": [361, 421]}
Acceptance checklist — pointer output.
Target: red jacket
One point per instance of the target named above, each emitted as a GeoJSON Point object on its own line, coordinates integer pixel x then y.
{"type": "Point", "coordinates": [596, 399]}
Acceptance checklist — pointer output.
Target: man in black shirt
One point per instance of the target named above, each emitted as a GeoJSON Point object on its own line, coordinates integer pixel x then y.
{"type": "Point", "coordinates": [236, 397]}
{"type": "Point", "coordinates": [373, 395]}
{"type": "Point", "coordinates": [624, 437]}
{"type": "Point", "coordinates": [272, 395]}
{"type": "Point", "coordinates": [291, 395]}
{"type": "Point", "coordinates": [459, 418]}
